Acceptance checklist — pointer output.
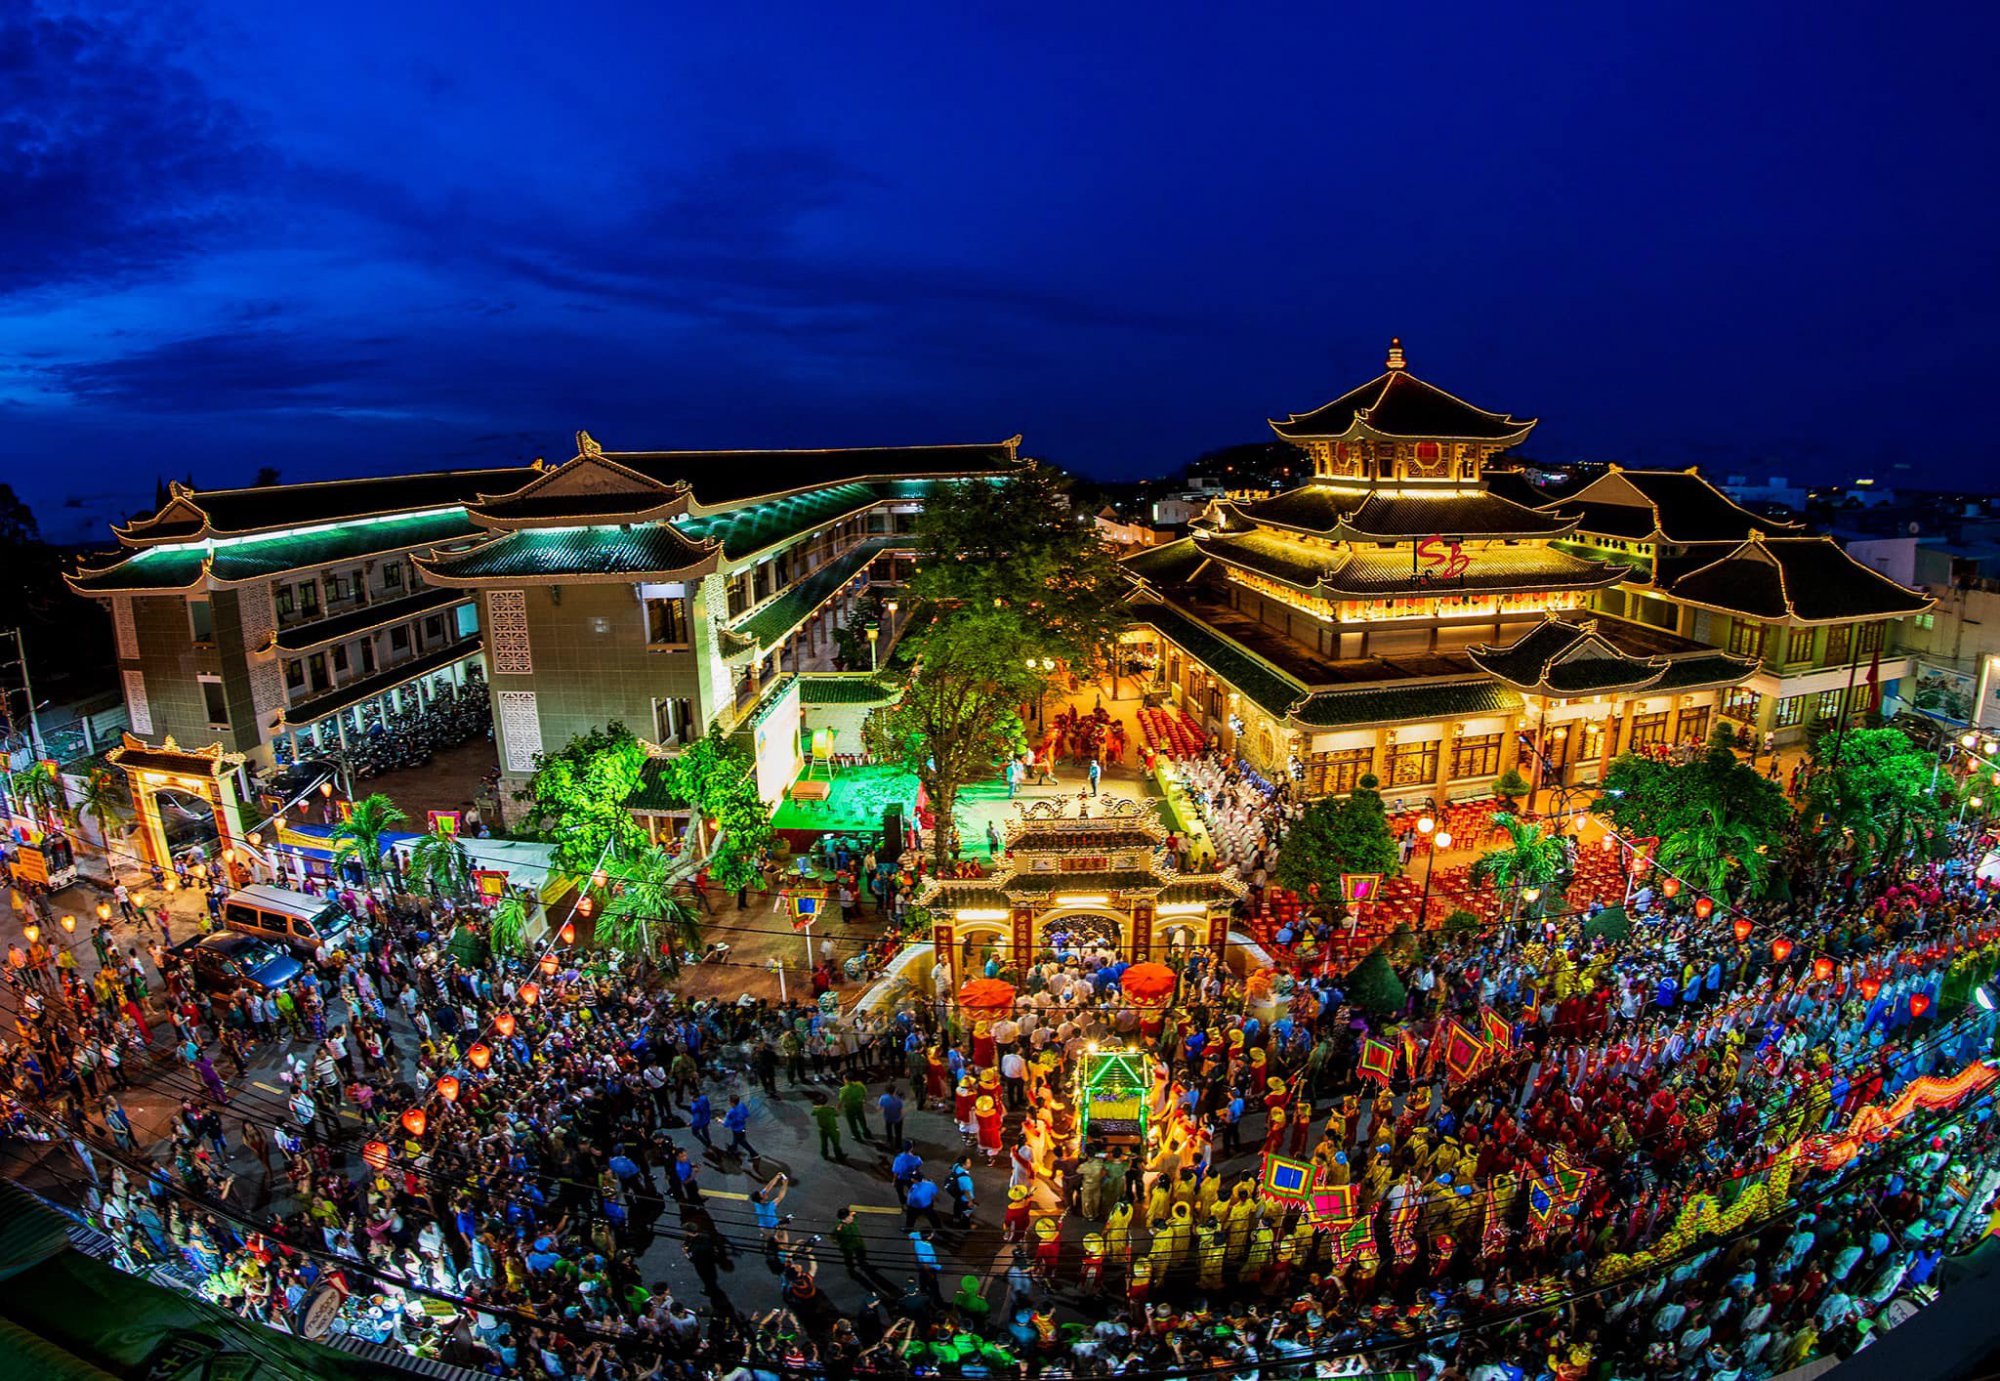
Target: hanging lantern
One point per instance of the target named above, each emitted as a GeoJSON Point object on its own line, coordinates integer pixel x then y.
{"type": "Point", "coordinates": [68, 923]}
{"type": "Point", "coordinates": [1608, 843]}
{"type": "Point", "coordinates": [1870, 986]}
{"type": "Point", "coordinates": [599, 878]}
{"type": "Point", "coordinates": [584, 906]}
{"type": "Point", "coordinates": [549, 965]}
{"type": "Point", "coordinates": [416, 1121]}
{"type": "Point", "coordinates": [1781, 949]}
{"type": "Point", "coordinates": [32, 931]}
{"type": "Point", "coordinates": [1672, 887]}
{"type": "Point", "coordinates": [448, 1088]}
{"type": "Point", "coordinates": [325, 789]}
{"type": "Point", "coordinates": [481, 1055]}
{"type": "Point", "coordinates": [256, 839]}
{"type": "Point", "coordinates": [1822, 968]}
{"type": "Point", "coordinates": [504, 1024]}
{"type": "Point", "coordinates": [1919, 1004]}
{"type": "Point", "coordinates": [376, 1153]}
{"type": "Point", "coordinates": [1743, 929]}
{"type": "Point", "coordinates": [104, 911]}
{"type": "Point", "coordinates": [1704, 907]}
{"type": "Point", "coordinates": [531, 993]}
{"type": "Point", "coordinates": [569, 933]}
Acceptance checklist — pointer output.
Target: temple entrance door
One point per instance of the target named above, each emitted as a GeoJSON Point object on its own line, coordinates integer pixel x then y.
{"type": "Point", "coordinates": [1085, 933]}
{"type": "Point", "coordinates": [182, 797]}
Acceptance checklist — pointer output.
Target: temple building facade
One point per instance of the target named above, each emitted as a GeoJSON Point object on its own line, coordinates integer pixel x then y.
{"type": "Point", "coordinates": [1419, 612]}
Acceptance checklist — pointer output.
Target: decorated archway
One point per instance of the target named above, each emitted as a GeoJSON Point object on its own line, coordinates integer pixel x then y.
{"type": "Point", "coordinates": [204, 775]}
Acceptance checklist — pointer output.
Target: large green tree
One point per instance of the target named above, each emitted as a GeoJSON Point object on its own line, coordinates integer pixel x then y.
{"type": "Point", "coordinates": [1336, 836]}
{"type": "Point", "coordinates": [576, 799]}
{"type": "Point", "coordinates": [718, 779]}
{"type": "Point", "coordinates": [958, 717]}
{"type": "Point", "coordinates": [1873, 789]}
{"type": "Point", "coordinates": [1020, 543]}
{"type": "Point", "coordinates": [1531, 857]}
{"type": "Point", "coordinates": [440, 861]}
{"type": "Point", "coordinates": [643, 904]}
{"type": "Point", "coordinates": [1718, 821]}
{"type": "Point", "coordinates": [362, 834]}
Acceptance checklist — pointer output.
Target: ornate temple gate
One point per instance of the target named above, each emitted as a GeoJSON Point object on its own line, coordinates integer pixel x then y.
{"type": "Point", "coordinates": [208, 774]}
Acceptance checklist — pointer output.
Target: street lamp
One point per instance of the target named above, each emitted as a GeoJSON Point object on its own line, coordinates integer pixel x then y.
{"type": "Point", "coordinates": [1441, 840]}
{"type": "Point", "coordinates": [874, 632]}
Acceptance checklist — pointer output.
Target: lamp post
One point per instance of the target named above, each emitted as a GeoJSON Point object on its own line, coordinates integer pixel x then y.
{"type": "Point", "coordinates": [874, 632]}
{"type": "Point", "coordinates": [1433, 843]}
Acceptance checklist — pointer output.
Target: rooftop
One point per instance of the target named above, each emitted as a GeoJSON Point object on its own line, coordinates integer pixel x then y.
{"type": "Point", "coordinates": [545, 555]}
{"type": "Point", "coordinates": [194, 513]}
{"type": "Point", "coordinates": [1807, 579]}
{"type": "Point", "coordinates": [1673, 506]}
{"type": "Point", "coordinates": [1397, 403]}
{"type": "Point", "coordinates": [1349, 513]}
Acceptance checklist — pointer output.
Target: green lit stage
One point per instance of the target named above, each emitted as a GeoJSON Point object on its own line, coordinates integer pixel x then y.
{"type": "Point", "coordinates": [856, 797]}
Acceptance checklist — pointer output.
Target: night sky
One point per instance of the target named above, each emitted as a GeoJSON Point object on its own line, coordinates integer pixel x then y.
{"type": "Point", "coordinates": [381, 237]}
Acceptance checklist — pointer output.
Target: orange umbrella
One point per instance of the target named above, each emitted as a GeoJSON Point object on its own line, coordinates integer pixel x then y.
{"type": "Point", "coordinates": [1148, 983]}
{"type": "Point", "coordinates": [986, 995]}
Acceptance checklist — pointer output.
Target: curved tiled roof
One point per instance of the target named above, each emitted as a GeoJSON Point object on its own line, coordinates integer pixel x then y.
{"type": "Point", "coordinates": [1397, 403]}
{"type": "Point", "coordinates": [1565, 658]}
{"type": "Point", "coordinates": [1370, 573]}
{"type": "Point", "coordinates": [1348, 515]}
{"type": "Point", "coordinates": [1675, 506]}
{"type": "Point", "coordinates": [1809, 579]}
{"type": "Point", "coordinates": [1172, 564]}
{"type": "Point", "coordinates": [1406, 703]}
{"type": "Point", "coordinates": [545, 555]}
{"type": "Point", "coordinates": [189, 514]}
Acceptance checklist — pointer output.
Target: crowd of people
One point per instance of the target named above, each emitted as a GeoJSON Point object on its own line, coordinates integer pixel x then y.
{"type": "Point", "coordinates": [1501, 1165]}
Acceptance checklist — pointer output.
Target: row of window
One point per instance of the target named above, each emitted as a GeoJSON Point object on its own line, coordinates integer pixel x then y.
{"type": "Point", "coordinates": [318, 670]}
{"type": "Point", "coordinates": [1843, 642]}
{"type": "Point", "coordinates": [1405, 764]}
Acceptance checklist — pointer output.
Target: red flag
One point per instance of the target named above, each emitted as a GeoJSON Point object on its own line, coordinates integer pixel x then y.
{"type": "Point", "coordinates": [1378, 1060]}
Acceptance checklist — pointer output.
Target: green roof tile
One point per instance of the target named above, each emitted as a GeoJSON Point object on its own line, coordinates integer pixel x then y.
{"type": "Point", "coordinates": [650, 549]}
{"type": "Point", "coordinates": [839, 688]}
{"type": "Point", "coordinates": [1400, 704]}
{"type": "Point", "coordinates": [756, 526]}
{"type": "Point", "coordinates": [238, 559]}
{"type": "Point", "coordinates": [771, 623]}
{"type": "Point", "coordinates": [1267, 686]}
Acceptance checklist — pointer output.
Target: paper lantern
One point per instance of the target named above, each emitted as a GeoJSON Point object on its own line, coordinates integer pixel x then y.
{"type": "Point", "coordinates": [569, 933]}
{"type": "Point", "coordinates": [504, 1024]}
{"type": "Point", "coordinates": [481, 1055]}
{"type": "Point", "coordinates": [1672, 887]}
{"type": "Point", "coordinates": [376, 1153]}
{"type": "Point", "coordinates": [68, 923]}
{"type": "Point", "coordinates": [531, 993]}
{"type": "Point", "coordinates": [1743, 929]}
{"type": "Point", "coordinates": [1781, 949]}
{"type": "Point", "coordinates": [584, 906]}
{"type": "Point", "coordinates": [549, 965]}
{"type": "Point", "coordinates": [599, 877]}
{"type": "Point", "coordinates": [416, 1121]}
{"type": "Point", "coordinates": [1919, 1004]}
{"type": "Point", "coordinates": [1704, 907]}
{"type": "Point", "coordinates": [1822, 968]}
{"type": "Point", "coordinates": [1870, 987]}
{"type": "Point", "coordinates": [448, 1088]}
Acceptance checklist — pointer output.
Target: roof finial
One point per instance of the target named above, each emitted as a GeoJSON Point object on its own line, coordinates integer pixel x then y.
{"type": "Point", "coordinates": [1396, 360]}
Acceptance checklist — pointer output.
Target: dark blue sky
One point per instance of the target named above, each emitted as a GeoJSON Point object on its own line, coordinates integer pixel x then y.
{"type": "Point", "coordinates": [388, 236]}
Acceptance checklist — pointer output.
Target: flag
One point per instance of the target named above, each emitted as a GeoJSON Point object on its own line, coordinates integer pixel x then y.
{"type": "Point", "coordinates": [1284, 1179]}
{"type": "Point", "coordinates": [1464, 1052]}
{"type": "Point", "coordinates": [1875, 680]}
{"type": "Point", "coordinates": [1403, 1230]}
{"type": "Point", "coordinates": [1412, 1056]}
{"type": "Point", "coordinates": [1351, 1241]}
{"type": "Point", "coordinates": [1493, 1234]}
{"type": "Point", "coordinates": [1378, 1060]}
{"type": "Point", "coordinates": [1499, 1033]}
{"type": "Point", "coordinates": [1330, 1203]}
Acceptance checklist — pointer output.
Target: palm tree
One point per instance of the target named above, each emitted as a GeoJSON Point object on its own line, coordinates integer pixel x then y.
{"type": "Point", "coordinates": [1530, 858]}
{"type": "Point", "coordinates": [509, 924]}
{"type": "Point", "coordinates": [642, 896]}
{"type": "Point", "coordinates": [1715, 849]}
{"type": "Point", "coordinates": [36, 791]}
{"type": "Point", "coordinates": [101, 800]}
{"type": "Point", "coordinates": [361, 835]}
{"type": "Point", "coordinates": [441, 861]}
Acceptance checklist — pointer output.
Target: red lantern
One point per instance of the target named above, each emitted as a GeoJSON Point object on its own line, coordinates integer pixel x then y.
{"type": "Point", "coordinates": [1919, 1004]}
{"type": "Point", "coordinates": [1704, 907]}
{"type": "Point", "coordinates": [448, 1088]}
{"type": "Point", "coordinates": [376, 1153]}
{"type": "Point", "coordinates": [1870, 987]}
{"type": "Point", "coordinates": [1822, 968]}
{"type": "Point", "coordinates": [1781, 949]}
{"type": "Point", "coordinates": [481, 1055]}
{"type": "Point", "coordinates": [504, 1024]}
{"type": "Point", "coordinates": [549, 965]}
{"type": "Point", "coordinates": [569, 933]}
{"type": "Point", "coordinates": [531, 993]}
{"type": "Point", "coordinates": [584, 906]}
{"type": "Point", "coordinates": [415, 1120]}
{"type": "Point", "coordinates": [1672, 887]}
{"type": "Point", "coordinates": [1743, 929]}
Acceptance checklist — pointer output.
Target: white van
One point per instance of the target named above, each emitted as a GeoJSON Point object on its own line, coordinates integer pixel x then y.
{"type": "Point", "coordinates": [301, 922]}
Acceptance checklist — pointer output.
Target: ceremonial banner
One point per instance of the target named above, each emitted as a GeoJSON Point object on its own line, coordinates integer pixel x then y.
{"type": "Point", "coordinates": [1403, 1231]}
{"type": "Point", "coordinates": [1284, 1179]}
{"type": "Point", "coordinates": [1351, 1241]}
{"type": "Point", "coordinates": [1464, 1052]}
{"type": "Point", "coordinates": [1378, 1060]}
{"type": "Point", "coordinates": [1499, 1034]}
{"type": "Point", "coordinates": [1412, 1056]}
{"type": "Point", "coordinates": [1493, 1233]}
{"type": "Point", "coordinates": [1330, 1203]}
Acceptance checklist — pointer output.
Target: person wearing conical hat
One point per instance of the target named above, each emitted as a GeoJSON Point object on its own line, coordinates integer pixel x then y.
{"type": "Point", "coordinates": [986, 1112]}
{"type": "Point", "coordinates": [1020, 1203]}
{"type": "Point", "coordinates": [1118, 1233]}
{"type": "Point", "coordinates": [1210, 1256]}
{"type": "Point", "coordinates": [984, 1052]}
{"type": "Point", "coordinates": [1090, 1274]}
{"type": "Point", "coordinates": [1048, 1247]}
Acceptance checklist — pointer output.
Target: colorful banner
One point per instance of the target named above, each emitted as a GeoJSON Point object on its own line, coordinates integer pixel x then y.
{"type": "Point", "coordinates": [1351, 1242]}
{"type": "Point", "coordinates": [1284, 1179]}
{"type": "Point", "coordinates": [490, 883]}
{"type": "Point", "coordinates": [1378, 1060]}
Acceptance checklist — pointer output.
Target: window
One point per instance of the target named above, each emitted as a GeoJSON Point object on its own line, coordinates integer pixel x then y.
{"type": "Point", "coordinates": [1740, 702]}
{"type": "Point", "coordinates": [1798, 647]}
{"type": "Point", "coordinates": [1476, 757]}
{"type": "Point", "coordinates": [433, 628]}
{"type": "Point", "coordinates": [1413, 764]}
{"type": "Point", "coordinates": [340, 657]}
{"type": "Point", "coordinates": [202, 615]}
{"type": "Point", "coordinates": [1830, 703]}
{"type": "Point", "coordinates": [392, 576]}
{"type": "Point", "coordinates": [295, 674]}
{"type": "Point", "coordinates": [1648, 729]}
{"type": "Point", "coordinates": [399, 638]}
{"type": "Point", "coordinates": [1694, 725]}
{"type": "Point", "coordinates": [216, 703]}
{"type": "Point", "coordinates": [1337, 773]}
{"type": "Point", "coordinates": [284, 601]}
{"type": "Point", "coordinates": [1871, 637]}
{"type": "Point", "coordinates": [673, 720]}
{"type": "Point", "coordinates": [666, 622]}
{"type": "Point", "coordinates": [308, 598]}
{"type": "Point", "coordinates": [1589, 741]}
{"type": "Point", "coordinates": [337, 587]}
{"type": "Point", "coordinates": [316, 671]}
{"type": "Point", "coordinates": [1746, 639]}
{"type": "Point", "coordinates": [1839, 643]}
{"type": "Point", "coordinates": [1791, 711]}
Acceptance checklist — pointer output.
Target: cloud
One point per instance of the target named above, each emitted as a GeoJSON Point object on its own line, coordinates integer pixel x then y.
{"type": "Point", "coordinates": [234, 372]}
{"type": "Point", "coordinates": [115, 160]}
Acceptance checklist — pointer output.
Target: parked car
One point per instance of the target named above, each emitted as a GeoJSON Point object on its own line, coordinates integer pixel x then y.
{"type": "Point", "coordinates": [226, 961]}
{"type": "Point", "coordinates": [296, 920]}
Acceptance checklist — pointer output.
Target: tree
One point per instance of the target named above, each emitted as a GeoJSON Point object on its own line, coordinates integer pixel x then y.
{"type": "Point", "coordinates": [102, 799]}
{"type": "Point", "coordinates": [1718, 821]}
{"type": "Point", "coordinates": [1376, 989]}
{"type": "Point", "coordinates": [850, 638]}
{"type": "Point", "coordinates": [36, 791]}
{"type": "Point", "coordinates": [576, 798]}
{"type": "Point", "coordinates": [958, 717]}
{"type": "Point", "coordinates": [508, 928]}
{"type": "Point", "coordinates": [1876, 791]}
{"type": "Point", "coordinates": [1510, 786]}
{"type": "Point", "coordinates": [718, 780]}
{"type": "Point", "coordinates": [440, 861]}
{"type": "Point", "coordinates": [1717, 850]}
{"type": "Point", "coordinates": [1337, 836]}
{"type": "Point", "coordinates": [642, 897]}
{"type": "Point", "coordinates": [1612, 923]}
{"type": "Point", "coordinates": [1019, 543]}
{"type": "Point", "coordinates": [1531, 857]}
{"type": "Point", "coordinates": [361, 835]}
